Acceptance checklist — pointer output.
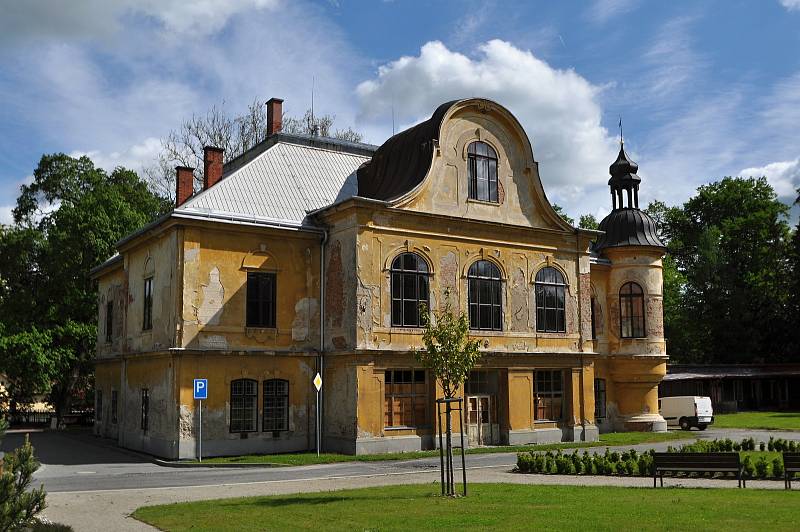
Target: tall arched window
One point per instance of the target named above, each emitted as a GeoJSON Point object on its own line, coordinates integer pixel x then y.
{"type": "Point", "coordinates": [482, 168]}
{"type": "Point", "coordinates": [244, 405]}
{"type": "Point", "coordinates": [550, 288]}
{"type": "Point", "coordinates": [276, 405]}
{"type": "Point", "coordinates": [409, 289]}
{"type": "Point", "coordinates": [631, 311]}
{"type": "Point", "coordinates": [485, 296]}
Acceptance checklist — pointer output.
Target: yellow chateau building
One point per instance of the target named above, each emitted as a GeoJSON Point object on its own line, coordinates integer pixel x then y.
{"type": "Point", "coordinates": [309, 254]}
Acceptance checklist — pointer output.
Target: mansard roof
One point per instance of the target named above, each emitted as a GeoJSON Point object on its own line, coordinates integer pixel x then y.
{"type": "Point", "coordinates": [401, 163]}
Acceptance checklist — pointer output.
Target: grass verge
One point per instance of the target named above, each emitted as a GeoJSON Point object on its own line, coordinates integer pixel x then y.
{"type": "Point", "coordinates": [297, 459]}
{"type": "Point", "coordinates": [758, 420]}
{"type": "Point", "coordinates": [489, 507]}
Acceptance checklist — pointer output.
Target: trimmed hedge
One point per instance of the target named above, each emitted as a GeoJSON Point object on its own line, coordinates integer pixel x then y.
{"type": "Point", "coordinates": [633, 463]}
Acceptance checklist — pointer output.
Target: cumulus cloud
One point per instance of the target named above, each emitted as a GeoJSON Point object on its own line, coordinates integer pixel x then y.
{"type": "Point", "coordinates": [784, 176]}
{"type": "Point", "coordinates": [791, 5]}
{"type": "Point", "coordinates": [558, 108]}
{"type": "Point", "coordinates": [114, 101]}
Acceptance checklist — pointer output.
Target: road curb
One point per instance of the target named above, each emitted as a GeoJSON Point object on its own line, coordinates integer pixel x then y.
{"type": "Point", "coordinates": [190, 465]}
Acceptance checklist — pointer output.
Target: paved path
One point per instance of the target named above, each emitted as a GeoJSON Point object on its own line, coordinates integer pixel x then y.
{"type": "Point", "coordinates": [93, 485]}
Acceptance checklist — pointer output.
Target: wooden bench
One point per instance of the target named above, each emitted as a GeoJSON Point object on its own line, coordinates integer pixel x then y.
{"type": "Point", "coordinates": [791, 465]}
{"type": "Point", "coordinates": [697, 463]}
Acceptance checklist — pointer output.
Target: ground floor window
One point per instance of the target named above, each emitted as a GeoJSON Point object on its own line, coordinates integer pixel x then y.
{"type": "Point", "coordinates": [599, 398]}
{"type": "Point", "coordinates": [114, 406]}
{"type": "Point", "coordinates": [244, 405]}
{"type": "Point", "coordinates": [405, 398]}
{"type": "Point", "coordinates": [276, 405]}
{"type": "Point", "coordinates": [548, 395]}
{"type": "Point", "coordinates": [145, 408]}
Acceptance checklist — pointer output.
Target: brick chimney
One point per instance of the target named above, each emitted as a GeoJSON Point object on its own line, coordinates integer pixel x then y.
{"type": "Point", "coordinates": [274, 116]}
{"type": "Point", "coordinates": [184, 184]}
{"type": "Point", "coordinates": [212, 166]}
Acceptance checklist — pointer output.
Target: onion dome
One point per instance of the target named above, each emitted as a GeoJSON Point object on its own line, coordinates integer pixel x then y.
{"type": "Point", "coordinates": [626, 225]}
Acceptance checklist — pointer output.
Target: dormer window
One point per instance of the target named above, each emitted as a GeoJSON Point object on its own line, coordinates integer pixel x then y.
{"type": "Point", "coordinates": [482, 168]}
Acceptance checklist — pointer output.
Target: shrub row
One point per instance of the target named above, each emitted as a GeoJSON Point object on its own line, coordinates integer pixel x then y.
{"type": "Point", "coordinates": [633, 463]}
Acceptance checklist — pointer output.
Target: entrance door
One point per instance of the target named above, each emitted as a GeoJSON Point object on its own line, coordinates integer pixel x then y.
{"type": "Point", "coordinates": [482, 426]}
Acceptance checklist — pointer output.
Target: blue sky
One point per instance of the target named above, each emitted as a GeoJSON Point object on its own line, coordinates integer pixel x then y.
{"type": "Point", "coordinates": [705, 88]}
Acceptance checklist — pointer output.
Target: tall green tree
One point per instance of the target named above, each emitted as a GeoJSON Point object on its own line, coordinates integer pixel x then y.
{"type": "Point", "coordinates": [588, 221]}
{"type": "Point", "coordinates": [65, 222]}
{"type": "Point", "coordinates": [564, 216]}
{"type": "Point", "coordinates": [730, 247]}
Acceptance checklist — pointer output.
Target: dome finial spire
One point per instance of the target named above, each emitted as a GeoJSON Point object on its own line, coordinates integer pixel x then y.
{"type": "Point", "coordinates": [621, 141]}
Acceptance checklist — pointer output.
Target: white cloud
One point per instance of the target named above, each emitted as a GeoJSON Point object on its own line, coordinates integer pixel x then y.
{"type": "Point", "coordinates": [113, 102]}
{"type": "Point", "coordinates": [134, 158]}
{"type": "Point", "coordinates": [602, 11]}
{"type": "Point", "coordinates": [672, 64]}
{"type": "Point", "coordinates": [791, 5]}
{"type": "Point", "coordinates": [784, 176]}
{"type": "Point", "coordinates": [45, 19]}
{"type": "Point", "coordinates": [558, 109]}
{"type": "Point", "coordinates": [6, 216]}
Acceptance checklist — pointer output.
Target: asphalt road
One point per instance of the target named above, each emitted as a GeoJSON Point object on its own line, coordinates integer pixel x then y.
{"type": "Point", "coordinates": [76, 461]}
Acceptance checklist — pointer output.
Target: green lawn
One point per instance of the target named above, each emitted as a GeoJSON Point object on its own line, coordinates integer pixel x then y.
{"type": "Point", "coordinates": [758, 420]}
{"type": "Point", "coordinates": [294, 459]}
{"type": "Point", "coordinates": [490, 507]}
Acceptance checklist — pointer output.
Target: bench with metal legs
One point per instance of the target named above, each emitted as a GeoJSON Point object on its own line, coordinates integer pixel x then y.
{"type": "Point", "coordinates": [697, 463]}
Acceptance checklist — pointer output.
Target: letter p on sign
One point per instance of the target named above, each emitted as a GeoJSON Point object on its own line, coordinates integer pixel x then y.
{"type": "Point", "coordinates": [201, 388]}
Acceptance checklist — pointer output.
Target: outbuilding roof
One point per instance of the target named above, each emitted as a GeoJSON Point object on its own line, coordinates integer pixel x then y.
{"type": "Point", "coordinates": [291, 176]}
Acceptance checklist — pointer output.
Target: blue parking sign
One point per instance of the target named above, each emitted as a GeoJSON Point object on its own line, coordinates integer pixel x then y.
{"type": "Point", "coordinates": [201, 388]}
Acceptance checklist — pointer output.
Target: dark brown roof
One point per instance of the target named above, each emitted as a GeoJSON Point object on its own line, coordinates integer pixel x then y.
{"type": "Point", "coordinates": [628, 227]}
{"type": "Point", "coordinates": [401, 163]}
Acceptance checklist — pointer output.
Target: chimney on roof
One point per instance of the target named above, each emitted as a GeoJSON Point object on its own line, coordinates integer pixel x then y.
{"type": "Point", "coordinates": [274, 116]}
{"type": "Point", "coordinates": [212, 166]}
{"type": "Point", "coordinates": [184, 184]}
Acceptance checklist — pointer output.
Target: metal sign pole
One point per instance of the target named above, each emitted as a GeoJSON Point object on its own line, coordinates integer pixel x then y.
{"type": "Point", "coordinates": [318, 428]}
{"type": "Point", "coordinates": [200, 440]}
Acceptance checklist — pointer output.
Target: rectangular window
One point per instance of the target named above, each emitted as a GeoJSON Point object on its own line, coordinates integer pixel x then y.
{"type": "Point", "coordinates": [599, 398]}
{"type": "Point", "coordinates": [261, 299]}
{"type": "Point", "coordinates": [109, 321]}
{"type": "Point", "coordinates": [548, 395]}
{"type": "Point", "coordinates": [405, 398]}
{"type": "Point", "coordinates": [244, 405]}
{"type": "Point", "coordinates": [276, 405]}
{"type": "Point", "coordinates": [114, 406]}
{"type": "Point", "coordinates": [98, 411]}
{"type": "Point", "coordinates": [147, 317]}
{"type": "Point", "coordinates": [145, 408]}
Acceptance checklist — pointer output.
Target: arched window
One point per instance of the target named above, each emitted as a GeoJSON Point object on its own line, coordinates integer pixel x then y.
{"type": "Point", "coordinates": [485, 299]}
{"type": "Point", "coordinates": [631, 311]}
{"type": "Point", "coordinates": [409, 289]}
{"type": "Point", "coordinates": [482, 168]}
{"type": "Point", "coordinates": [244, 405]}
{"type": "Point", "coordinates": [276, 405]}
{"type": "Point", "coordinates": [550, 314]}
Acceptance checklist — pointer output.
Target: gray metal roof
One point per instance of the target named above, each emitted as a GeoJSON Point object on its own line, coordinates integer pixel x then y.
{"type": "Point", "coordinates": [281, 184]}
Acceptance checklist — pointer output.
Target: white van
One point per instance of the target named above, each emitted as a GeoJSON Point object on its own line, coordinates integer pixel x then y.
{"type": "Point", "coordinates": [687, 411]}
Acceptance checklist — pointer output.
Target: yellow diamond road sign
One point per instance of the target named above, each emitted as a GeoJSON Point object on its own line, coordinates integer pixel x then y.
{"type": "Point", "coordinates": [318, 382]}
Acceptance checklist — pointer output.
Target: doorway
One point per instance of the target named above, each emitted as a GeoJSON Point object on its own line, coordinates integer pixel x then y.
{"type": "Point", "coordinates": [483, 426]}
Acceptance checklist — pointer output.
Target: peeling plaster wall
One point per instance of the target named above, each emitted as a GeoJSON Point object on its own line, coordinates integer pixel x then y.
{"type": "Point", "coordinates": [107, 379]}
{"type": "Point", "coordinates": [445, 191]}
{"type": "Point", "coordinates": [222, 368]}
{"type": "Point", "coordinates": [112, 287]}
{"type": "Point", "coordinates": [215, 266]}
{"type": "Point", "coordinates": [156, 258]}
{"type": "Point", "coordinates": [347, 299]}
{"type": "Point", "coordinates": [450, 248]}
{"type": "Point", "coordinates": [156, 373]}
